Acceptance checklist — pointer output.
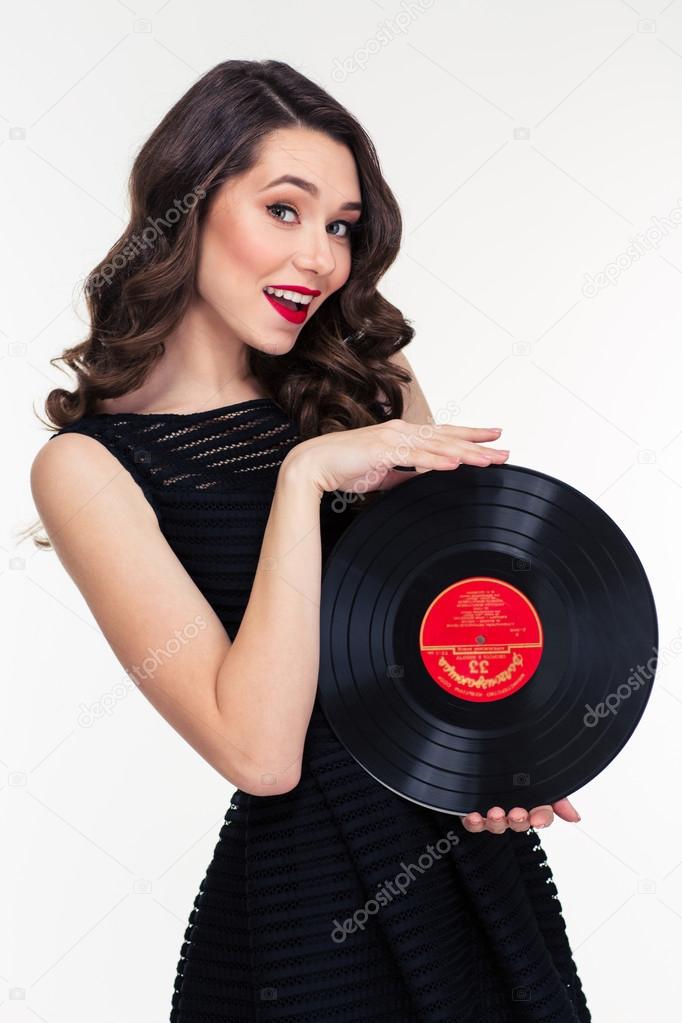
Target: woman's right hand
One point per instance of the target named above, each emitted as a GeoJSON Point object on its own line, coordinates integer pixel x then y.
{"type": "Point", "coordinates": [362, 460]}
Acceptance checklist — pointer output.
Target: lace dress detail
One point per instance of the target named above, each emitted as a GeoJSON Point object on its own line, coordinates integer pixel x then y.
{"type": "Point", "coordinates": [338, 901]}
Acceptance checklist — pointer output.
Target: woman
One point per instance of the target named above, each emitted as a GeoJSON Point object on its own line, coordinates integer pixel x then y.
{"type": "Point", "coordinates": [241, 369]}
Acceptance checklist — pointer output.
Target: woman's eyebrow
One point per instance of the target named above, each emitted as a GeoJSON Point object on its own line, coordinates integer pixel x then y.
{"type": "Point", "coordinates": [309, 187]}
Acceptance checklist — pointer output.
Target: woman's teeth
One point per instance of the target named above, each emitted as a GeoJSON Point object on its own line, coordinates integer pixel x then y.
{"type": "Point", "coordinates": [294, 297]}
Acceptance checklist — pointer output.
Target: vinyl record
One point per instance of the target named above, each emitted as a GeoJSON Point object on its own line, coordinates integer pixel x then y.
{"type": "Point", "coordinates": [488, 638]}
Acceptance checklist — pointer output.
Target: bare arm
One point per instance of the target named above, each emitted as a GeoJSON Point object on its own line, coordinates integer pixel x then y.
{"type": "Point", "coordinates": [415, 406]}
{"type": "Point", "coordinates": [267, 683]}
{"type": "Point", "coordinates": [277, 646]}
{"type": "Point", "coordinates": [244, 707]}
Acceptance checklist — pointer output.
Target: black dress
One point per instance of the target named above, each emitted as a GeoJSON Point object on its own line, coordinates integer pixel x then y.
{"type": "Point", "coordinates": [338, 901]}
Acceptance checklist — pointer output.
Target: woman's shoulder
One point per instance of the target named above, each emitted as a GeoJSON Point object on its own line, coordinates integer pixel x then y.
{"type": "Point", "coordinates": [72, 469]}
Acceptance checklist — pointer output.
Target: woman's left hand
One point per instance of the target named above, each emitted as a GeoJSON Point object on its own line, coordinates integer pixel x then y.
{"type": "Point", "coordinates": [519, 819]}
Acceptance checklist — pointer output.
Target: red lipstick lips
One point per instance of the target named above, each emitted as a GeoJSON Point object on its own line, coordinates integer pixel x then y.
{"type": "Point", "coordinates": [297, 316]}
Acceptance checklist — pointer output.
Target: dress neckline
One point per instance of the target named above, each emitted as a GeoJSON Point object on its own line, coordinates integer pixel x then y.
{"type": "Point", "coordinates": [249, 402]}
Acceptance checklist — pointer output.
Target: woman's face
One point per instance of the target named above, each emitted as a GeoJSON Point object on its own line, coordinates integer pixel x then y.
{"type": "Point", "coordinates": [258, 235]}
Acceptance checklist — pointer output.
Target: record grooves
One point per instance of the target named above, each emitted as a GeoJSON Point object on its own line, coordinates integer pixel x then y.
{"type": "Point", "coordinates": [469, 620]}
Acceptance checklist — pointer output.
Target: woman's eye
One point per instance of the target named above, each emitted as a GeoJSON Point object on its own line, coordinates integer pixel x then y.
{"type": "Point", "coordinates": [348, 227]}
{"type": "Point", "coordinates": [275, 207]}
{"type": "Point", "coordinates": [280, 206]}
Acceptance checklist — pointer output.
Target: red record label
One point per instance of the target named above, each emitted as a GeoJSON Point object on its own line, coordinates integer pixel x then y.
{"type": "Point", "coordinates": [481, 639]}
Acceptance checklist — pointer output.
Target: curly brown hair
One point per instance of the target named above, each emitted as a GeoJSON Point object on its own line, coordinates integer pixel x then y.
{"type": "Point", "coordinates": [339, 365]}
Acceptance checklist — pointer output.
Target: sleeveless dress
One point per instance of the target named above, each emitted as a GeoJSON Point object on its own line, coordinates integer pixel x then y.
{"type": "Point", "coordinates": [338, 901]}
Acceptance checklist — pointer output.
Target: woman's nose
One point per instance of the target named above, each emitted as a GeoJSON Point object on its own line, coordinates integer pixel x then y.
{"type": "Point", "coordinates": [317, 255]}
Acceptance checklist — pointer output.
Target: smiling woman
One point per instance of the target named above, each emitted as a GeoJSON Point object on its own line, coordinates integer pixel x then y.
{"type": "Point", "coordinates": [293, 202]}
{"type": "Point", "coordinates": [192, 479]}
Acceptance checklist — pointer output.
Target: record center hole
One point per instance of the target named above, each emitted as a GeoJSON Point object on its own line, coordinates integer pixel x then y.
{"type": "Point", "coordinates": [480, 639]}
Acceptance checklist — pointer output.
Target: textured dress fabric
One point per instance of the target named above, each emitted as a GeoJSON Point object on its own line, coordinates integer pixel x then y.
{"type": "Point", "coordinates": [340, 900]}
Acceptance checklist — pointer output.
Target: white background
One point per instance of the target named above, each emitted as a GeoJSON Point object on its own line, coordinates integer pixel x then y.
{"type": "Point", "coordinates": [528, 144]}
